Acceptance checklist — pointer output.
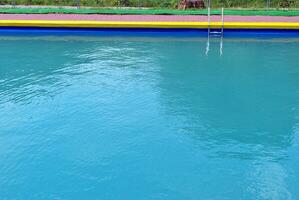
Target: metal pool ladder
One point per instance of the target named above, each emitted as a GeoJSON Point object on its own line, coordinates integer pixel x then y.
{"type": "Point", "coordinates": [215, 32]}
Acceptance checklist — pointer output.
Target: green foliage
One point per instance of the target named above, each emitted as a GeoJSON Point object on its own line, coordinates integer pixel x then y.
{"type": "Point", "coordinates": [168, 3]}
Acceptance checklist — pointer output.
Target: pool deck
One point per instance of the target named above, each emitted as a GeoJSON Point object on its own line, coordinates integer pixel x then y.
{"type": "Point", "coordinates": [146, 18]}
{"type": "Point", "coordinates": [147, 21]}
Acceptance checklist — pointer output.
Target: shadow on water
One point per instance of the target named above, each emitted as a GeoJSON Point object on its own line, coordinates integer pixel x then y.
{"type": "Point", "coordinates": [248, 98]}
{"type": "Point", "coordinates": [241, 107]}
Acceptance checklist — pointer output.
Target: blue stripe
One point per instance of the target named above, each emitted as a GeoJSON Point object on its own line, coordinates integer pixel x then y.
{"type": "Point", "coordinates": [145, 32]}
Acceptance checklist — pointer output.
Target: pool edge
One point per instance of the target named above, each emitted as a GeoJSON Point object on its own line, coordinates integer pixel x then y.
{"type": "Point", "coordinates": [151, 25]}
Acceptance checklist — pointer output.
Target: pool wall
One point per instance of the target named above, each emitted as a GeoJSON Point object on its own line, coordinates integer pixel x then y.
{"type": "Point", "coordinates": [148, 25]}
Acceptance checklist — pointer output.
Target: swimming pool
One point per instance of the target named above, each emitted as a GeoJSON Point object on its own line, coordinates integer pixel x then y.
{"type": "Point", "coordinates": [148, 117]}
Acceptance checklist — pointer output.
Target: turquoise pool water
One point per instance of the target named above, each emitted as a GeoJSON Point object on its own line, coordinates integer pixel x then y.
{"type": "Point", "coordinates": [142, 118]}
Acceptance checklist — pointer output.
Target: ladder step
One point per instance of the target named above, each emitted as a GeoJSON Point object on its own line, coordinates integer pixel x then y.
{"type": "Point", "coordinates": [215, 32]}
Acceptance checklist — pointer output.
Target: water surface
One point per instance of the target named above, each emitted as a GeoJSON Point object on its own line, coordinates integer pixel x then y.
{"type": "Point", "coordinates": [116, 118]}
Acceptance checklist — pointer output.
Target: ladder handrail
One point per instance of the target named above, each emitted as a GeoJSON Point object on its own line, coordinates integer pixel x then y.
{"type": "Point", "coordinates": [209, 20]}
{"type": "Point", "coordinates": [222, 29]}
{"type": "Point", "coordinates": [222, 21]}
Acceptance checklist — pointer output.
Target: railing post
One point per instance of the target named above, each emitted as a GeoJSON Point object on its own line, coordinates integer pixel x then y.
{"type": "Point", "coordinates": [78, 3]}
{"type": "Point", "coordinates": [268, 4]}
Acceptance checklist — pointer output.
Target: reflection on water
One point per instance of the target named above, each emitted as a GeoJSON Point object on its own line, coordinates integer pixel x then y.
{"type": "Point", "coordinates": [96, 117]}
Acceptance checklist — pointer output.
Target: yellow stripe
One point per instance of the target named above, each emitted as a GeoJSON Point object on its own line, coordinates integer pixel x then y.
{"type": "Point", "coordinates": [122, 24]}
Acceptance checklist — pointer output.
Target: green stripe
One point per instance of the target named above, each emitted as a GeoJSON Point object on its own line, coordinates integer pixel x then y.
{"type": "Point", "coordinates": [148, 11]}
